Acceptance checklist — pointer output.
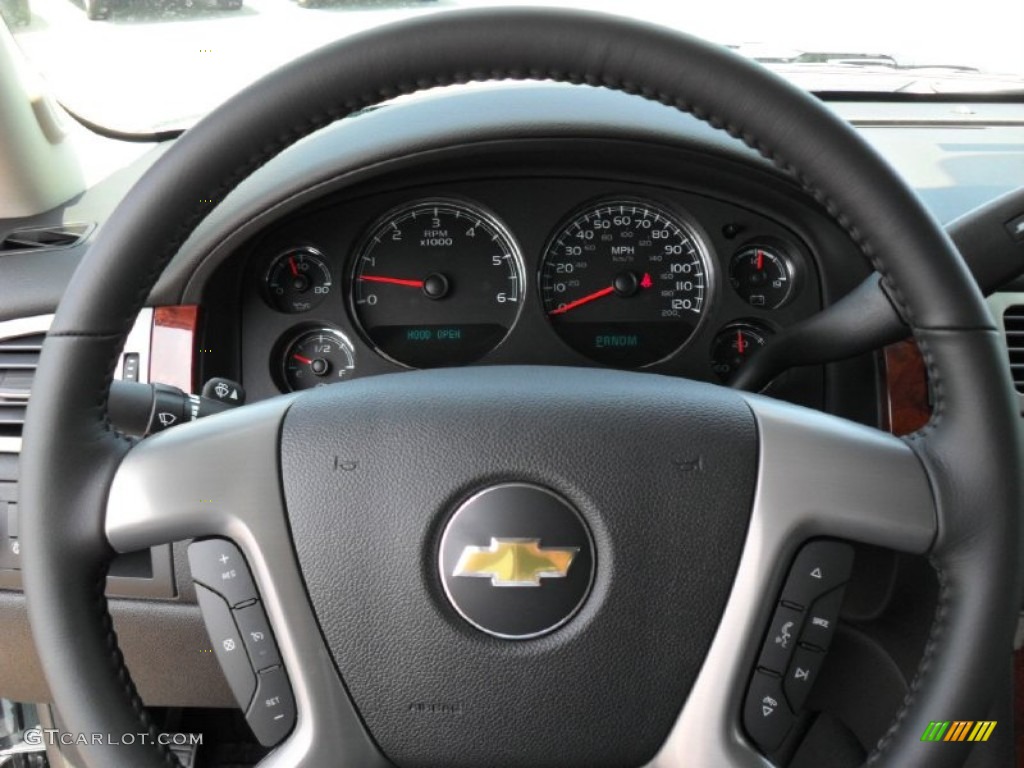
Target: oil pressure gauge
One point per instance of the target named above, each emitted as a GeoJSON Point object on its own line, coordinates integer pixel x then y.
{"type": "Point", "coordinates": [298, 280]}
{"type": "Point", "coordinates": [762, 276]}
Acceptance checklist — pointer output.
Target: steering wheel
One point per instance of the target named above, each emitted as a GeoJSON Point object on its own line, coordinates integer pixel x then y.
{"type": "Point", "coordinates": [343, 500]}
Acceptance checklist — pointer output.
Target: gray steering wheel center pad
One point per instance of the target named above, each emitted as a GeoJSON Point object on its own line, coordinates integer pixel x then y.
{"type": "Point", "coordinates": [972, 449]}
{"type": "Point", "coordinates": [606, 688]}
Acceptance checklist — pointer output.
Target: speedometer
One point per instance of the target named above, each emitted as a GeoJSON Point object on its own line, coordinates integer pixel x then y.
{"type": "Point", "coordinates": [625, 282]}
{"type": "Point", "coordinates": [437, 282]}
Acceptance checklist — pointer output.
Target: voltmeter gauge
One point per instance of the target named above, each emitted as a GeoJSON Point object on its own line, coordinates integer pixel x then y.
{"type": "Point", "coordinates": [315, 358]}
{"type": "Point", "coordinates": [734, 344]}
{"type": "Point", "coordinates": [762, 276]}
{"type": "Point", "coordinates": [298, 280]}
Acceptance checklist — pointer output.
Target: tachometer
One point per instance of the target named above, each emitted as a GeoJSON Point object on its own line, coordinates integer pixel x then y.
{"type": "Point", "coordinates": [436, 283]}
{"type": "Point", "coordinates": [625, 282]}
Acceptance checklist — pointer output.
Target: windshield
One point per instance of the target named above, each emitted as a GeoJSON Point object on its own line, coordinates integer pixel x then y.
{"type": "Point", "coordinates": [151, 64]}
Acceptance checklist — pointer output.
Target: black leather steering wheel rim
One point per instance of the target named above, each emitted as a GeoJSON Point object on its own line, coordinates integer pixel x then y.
{"type": "Point", "coordinates": [970, 449]}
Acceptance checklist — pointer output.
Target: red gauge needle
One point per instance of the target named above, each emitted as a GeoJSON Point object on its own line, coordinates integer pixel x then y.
{"type": "Point", "coordinates": [760, 260]}
{"type": "Point", "coordinates": [741, 344]}
{"type": "Point", "coordinates": [293, 266]}
{"type": "Point", "coordinates": [585, 300]}
{"type": "Point", "coordinates": [391, 281]}
{"type": "Point", "coordinates": [303, 360]}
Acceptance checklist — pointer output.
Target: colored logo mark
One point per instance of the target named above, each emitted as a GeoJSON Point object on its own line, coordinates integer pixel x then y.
{"type": "Point", "coordinates": [515, 562]}
{"type": "Point", "coordinates": [959, 730]}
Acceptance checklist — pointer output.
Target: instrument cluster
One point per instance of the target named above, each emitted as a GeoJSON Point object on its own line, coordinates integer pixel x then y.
{"type": "Point", "coordinates": [629, 281]}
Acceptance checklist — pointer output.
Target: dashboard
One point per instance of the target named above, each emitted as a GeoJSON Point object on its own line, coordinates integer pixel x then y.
{"type": "Point", "coordinates": [628, 250]}
{"type": "Point", "coordinates": [556, 271]}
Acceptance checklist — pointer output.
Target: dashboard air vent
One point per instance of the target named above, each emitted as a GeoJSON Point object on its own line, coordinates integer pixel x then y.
{"type": "Point", "coordinates": [1013, 323]}
{"type": "Point", "coordinates": [19, 356]}
{"type": "Point", "coordinates": [38, 238]}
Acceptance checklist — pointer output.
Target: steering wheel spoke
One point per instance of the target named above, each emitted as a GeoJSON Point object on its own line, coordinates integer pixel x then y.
{"type": "Point", "coordinates": [220, 477]}
{"type": "Point", "coordinates": [819, 477]}
{"type": "Point", "coordinates": [214, 477]}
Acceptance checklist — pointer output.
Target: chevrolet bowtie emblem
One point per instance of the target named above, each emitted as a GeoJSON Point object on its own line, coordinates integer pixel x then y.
{"type": "Point", "coordinates": [515, 562]}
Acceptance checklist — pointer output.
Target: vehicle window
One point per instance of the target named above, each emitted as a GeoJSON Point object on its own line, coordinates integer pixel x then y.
{"type": "Point", "coordinates": [152, 64]}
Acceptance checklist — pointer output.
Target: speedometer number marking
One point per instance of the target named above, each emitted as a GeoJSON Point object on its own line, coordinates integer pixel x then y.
{"type": "Point", "coordinates": [625, 283]}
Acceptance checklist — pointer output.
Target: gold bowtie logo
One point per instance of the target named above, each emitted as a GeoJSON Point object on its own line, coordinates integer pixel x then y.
{"type": "Point", "coordinates": [515, 562]}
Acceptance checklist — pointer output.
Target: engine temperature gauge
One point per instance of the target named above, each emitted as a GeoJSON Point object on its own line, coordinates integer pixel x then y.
{"type": "Point", "coordinates": [734, 344]}
{"type": "Point", "coordinates": [762, 276]}
{"type": "Point", "coordinates": [317, 357]}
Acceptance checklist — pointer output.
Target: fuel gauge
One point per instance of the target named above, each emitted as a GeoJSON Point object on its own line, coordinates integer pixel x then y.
{"type": "Point", "coordinates": [316, 358]}
{"type": "Point", "coordinates": [734, 344]}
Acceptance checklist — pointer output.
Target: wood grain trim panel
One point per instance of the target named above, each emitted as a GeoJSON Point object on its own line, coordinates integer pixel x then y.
{"type": "Point", "coordinates": [173, 346]}
{"type": "Point", "coordinates": [906, 401]}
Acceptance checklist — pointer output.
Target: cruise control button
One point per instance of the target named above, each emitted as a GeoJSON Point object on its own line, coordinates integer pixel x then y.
{"type": "Point", "coordinates": [801, 675]}
{"type": "Point", "coordinates": [819, 567]}
{"type": "Point", "coordinates": [821, 620]}
{"type": "Point", "coordinates": [766, 716]}
{"type": "Point", "coordinates": [781, 640]}
{"type": "Point", "coordinates": [227, 645]}
{"type": "Point", "coordinates": [272, 714]}
{"type": "Point", "coordinates": [219, 565]}
{"type": "Point", "coordinates": [256, 634]}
